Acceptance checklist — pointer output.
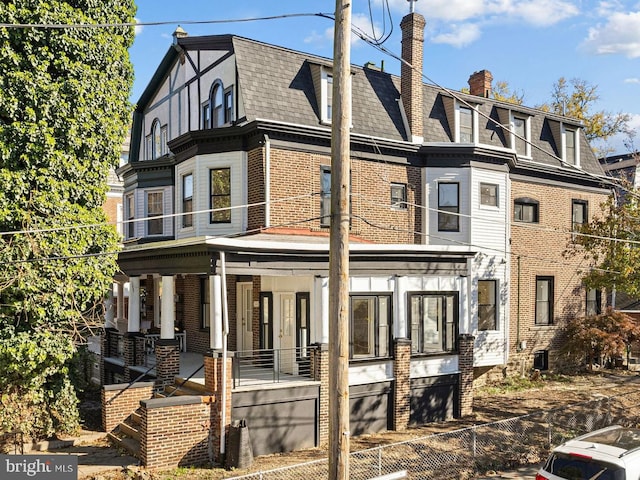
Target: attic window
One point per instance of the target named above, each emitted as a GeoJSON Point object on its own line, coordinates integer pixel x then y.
{"type": "Point", "coordinates": [521, 134]}
{"type": "Point", "coordinates": [571, 150]}
{"type": "Point", "coordinates": [466, 124]}
{"type": "Point", "coordinates": [156, 141]}
{"type": "Point", "coordinates": [327, 96]}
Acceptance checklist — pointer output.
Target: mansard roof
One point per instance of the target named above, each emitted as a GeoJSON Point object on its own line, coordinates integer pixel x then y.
{"type": "Point", "coordinates": [277, 85]}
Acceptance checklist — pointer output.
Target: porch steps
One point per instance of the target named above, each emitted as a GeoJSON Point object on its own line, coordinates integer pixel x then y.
{"type": "Point", "coordinates": [127, 434]}
{"type": "Point", "coordinates": [188, 388]}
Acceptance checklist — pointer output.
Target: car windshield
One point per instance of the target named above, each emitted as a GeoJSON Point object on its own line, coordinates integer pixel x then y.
{"type": "Point", "coordinates": [580, 468]}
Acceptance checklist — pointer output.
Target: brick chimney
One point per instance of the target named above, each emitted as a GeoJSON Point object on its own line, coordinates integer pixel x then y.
{"type": "Point", "coordinates": [411, 78]}
{"type": "Point", "coordinates": [480, 83]}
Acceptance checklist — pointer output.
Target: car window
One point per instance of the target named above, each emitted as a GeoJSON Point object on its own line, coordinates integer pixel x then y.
{"type": "Point", "coordinates": [581, 468]}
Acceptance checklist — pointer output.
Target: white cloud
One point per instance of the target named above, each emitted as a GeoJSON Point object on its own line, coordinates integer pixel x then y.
{"type": "Point", "coordinates": [534, 12]}
{"type": "Point", "coordinates": [620, 35]}
{"type": "Point", "coordinates": [137, 30]}
{"type": "Point", "coordinates": [632, 80]}
{"type": "Point", "coordinates": [459, 36]}
{"type": "Point", "coordinates": [359, 22]}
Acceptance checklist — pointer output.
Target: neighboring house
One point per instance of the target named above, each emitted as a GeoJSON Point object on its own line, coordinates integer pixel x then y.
{"type": "Point", "coordinates": [227, 204]}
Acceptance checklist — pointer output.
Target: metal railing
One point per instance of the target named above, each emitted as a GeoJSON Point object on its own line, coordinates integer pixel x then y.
{"type": "Point", "coordinates": [258, 367]}
{"type": "Point", "coordinates": [151, 338]}
{"type": "Point", "coordinates": [472, 452]}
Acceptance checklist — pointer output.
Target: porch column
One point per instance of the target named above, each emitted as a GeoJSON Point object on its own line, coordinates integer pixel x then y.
{"type": "Point", "coordinates": [322, 308]}
{"type": "Point", "coordinates": [168, 316]}
{"type": "Point", "coordinates": [120, 304]}
{"type": "Point", "coordinates": [465, 363]}
{"type": "Point", "coordinates": [133, 341]}
{"type": "Point", "coordinates": [133, 325]}
{"type": "Point", "coordinates": [402, 383]}
{"type": "Point", "coordinates": [320, 372]}
{"type": "Point", "coordinates": [220, 387]}
{"type": "Point", "coordinates": [215, 312]}
{"type": "Point", "coordinates": [109, 307]}
{"type": "Point", "coordinates": [168, 347]}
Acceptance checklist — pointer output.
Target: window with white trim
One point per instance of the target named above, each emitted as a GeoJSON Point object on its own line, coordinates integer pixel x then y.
{"type": "Point", "coordinates": [370, 326]}
{"type": "Point", "coordinates": [465, 124]}
{"type": "Point", "coordinates": [220, 191]}
{"type": "Point", "coordinates": [154, 213]}
{"type": "Point", "coordinates": [571, 150]}
{"type": "Point", "coordinates": [448, 207]}
{"type": "Point", "coordinates": [325, 196]}
{"type": "Point", "coordinates": [489, 194]}
{"type": "Point", "coordinates": [520, 135]}
{"type": "Point", "coordinates": [187, 200]}
{"type": "Point", "coordinates": [487, 305]}
{"type": "Point", "coordinates": [156, 141]}
{"type": "Point", "coordinates": [434, 322]}
{"type": "Point", "coordinates": [327, 97]}
{"type": "Point", "coordinates": [131, 215]}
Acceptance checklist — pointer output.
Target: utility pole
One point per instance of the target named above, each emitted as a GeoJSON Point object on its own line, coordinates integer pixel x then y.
{"type": "Point", "coordinates": [339, 247]}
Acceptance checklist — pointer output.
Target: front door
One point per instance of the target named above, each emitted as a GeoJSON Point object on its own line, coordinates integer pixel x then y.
{"type": "Point", "coordinates": [287, 333]}
{"type": "Point", "coordinates": [245, 316]}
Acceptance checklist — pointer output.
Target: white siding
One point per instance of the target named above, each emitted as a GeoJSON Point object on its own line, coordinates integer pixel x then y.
{"type": "Point", "coordinates": [200, 166]}
{"type": "Point", "coordinates": [433, 176]}
{"type": "Point", "coordinates": [433, 366]}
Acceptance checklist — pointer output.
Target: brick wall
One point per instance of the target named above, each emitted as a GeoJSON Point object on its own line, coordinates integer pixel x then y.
{"type": "Point", "coordinates": [539, 248]}
{"type": "Point", "coordinates": [189, 291]}
{"type": "Point", "coordinates": [134, 353]}
{"type": "Point", "coordinates": [118, 402]}
{"type": "Point", "coordinates": [214, 380]}
{"type": "Point", "coordinates": [295, 174]}
{"type": "Point", "coordinates": [402, 383]}
{"type": "Point", "coordinates": [465, 363]}
{"type": "Point", "coordinates": [320, 372]}
{"type": "Point", "coordinates": [167, 362]}
{"type": "Point", "coordinates": [255, 193]}
{"type": "Point", "coordinates": [175, 431]}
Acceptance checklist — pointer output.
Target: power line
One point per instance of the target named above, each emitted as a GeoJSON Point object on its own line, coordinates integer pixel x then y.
{"type": "Point", "coordinates": [151, 24]}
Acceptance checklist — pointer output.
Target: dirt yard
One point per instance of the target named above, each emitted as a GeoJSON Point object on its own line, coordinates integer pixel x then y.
{"type": "Point", "coordinates": [491, 403]}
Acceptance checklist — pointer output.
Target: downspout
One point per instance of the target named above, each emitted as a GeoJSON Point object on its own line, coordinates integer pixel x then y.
{"type": "Point", "coordinates": [518, 346]}
{"type": "Point", "coordinates": [225, 332]}
{"type": "Point", "coordinates": [267, 181]}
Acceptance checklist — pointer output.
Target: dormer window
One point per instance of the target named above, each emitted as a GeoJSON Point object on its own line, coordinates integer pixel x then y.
{"type": "Point", "coordinates": [465, 119]}
{"type": "Point", "coordinates": [327, 96]}
{"type": "Point", "coordinates": [465, 115]}
{"type": "Point", "coordinates": [521, 135]}
{"type": "Point", "coordinates": [217, 111]}
{"type": "Point", "coordinates": [156, 141]}
{"type": "Point", "coordinates": [570, 137]}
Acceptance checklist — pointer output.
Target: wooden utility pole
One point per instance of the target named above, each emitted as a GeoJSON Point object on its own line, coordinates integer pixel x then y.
{"type": "Point", "coordinates": [339, 247]}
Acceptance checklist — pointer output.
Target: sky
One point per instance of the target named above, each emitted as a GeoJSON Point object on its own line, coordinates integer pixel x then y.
{"type": "Point", "coordinates": [529, 44]}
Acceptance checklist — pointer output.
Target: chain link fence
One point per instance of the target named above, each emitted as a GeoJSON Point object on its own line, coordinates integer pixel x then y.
{"type": "Point", "coordinates": [469, 452]}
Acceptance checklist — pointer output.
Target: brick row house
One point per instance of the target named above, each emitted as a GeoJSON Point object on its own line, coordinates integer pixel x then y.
{"type": "Point", "coordinates": [460, 209]}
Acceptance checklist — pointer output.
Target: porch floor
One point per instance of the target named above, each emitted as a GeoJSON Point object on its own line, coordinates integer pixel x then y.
{"type": "Point", "coordinates": [251, 378]}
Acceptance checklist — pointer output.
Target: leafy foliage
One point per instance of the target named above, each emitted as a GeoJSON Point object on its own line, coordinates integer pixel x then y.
{"type": "Point", "coordinates": [64, 112]}
{"type": "Point", "coordinates": [607, 334]}
{"type": "Point", "coordinates": [577, 102]}
{"type": "Point", "coordinates": [610, 241]}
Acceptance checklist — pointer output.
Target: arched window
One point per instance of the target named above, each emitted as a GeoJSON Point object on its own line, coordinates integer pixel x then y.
{"type": "Point", "coordinates": [157, 140]}
{"type": "Point", "coordinates": [217, 114]}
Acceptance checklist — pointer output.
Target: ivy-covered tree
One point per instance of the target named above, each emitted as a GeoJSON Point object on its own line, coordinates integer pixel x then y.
{"type": "Point", "coordinates": [64, 112]}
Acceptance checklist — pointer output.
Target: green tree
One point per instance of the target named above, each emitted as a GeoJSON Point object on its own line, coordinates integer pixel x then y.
{"type": "Point", "coordinates": [575, 99]}
{"type": "Point", "coordinates": [64, 112]}
{"type": "Point", "coordinates": [611, 242]}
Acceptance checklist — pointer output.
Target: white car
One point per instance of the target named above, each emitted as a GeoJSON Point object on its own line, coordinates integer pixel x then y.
{"type": "Point", "coordinates": [611, 453]}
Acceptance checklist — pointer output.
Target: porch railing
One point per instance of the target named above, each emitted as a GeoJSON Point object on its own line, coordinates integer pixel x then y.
{"type": "Point", "coordinates": [258, 367]}
{"type": "Point", "coordinates": [150, 342]}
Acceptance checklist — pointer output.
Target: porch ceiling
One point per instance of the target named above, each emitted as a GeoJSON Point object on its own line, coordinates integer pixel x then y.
{"type": "Point", "coordinates": [288, 255]}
